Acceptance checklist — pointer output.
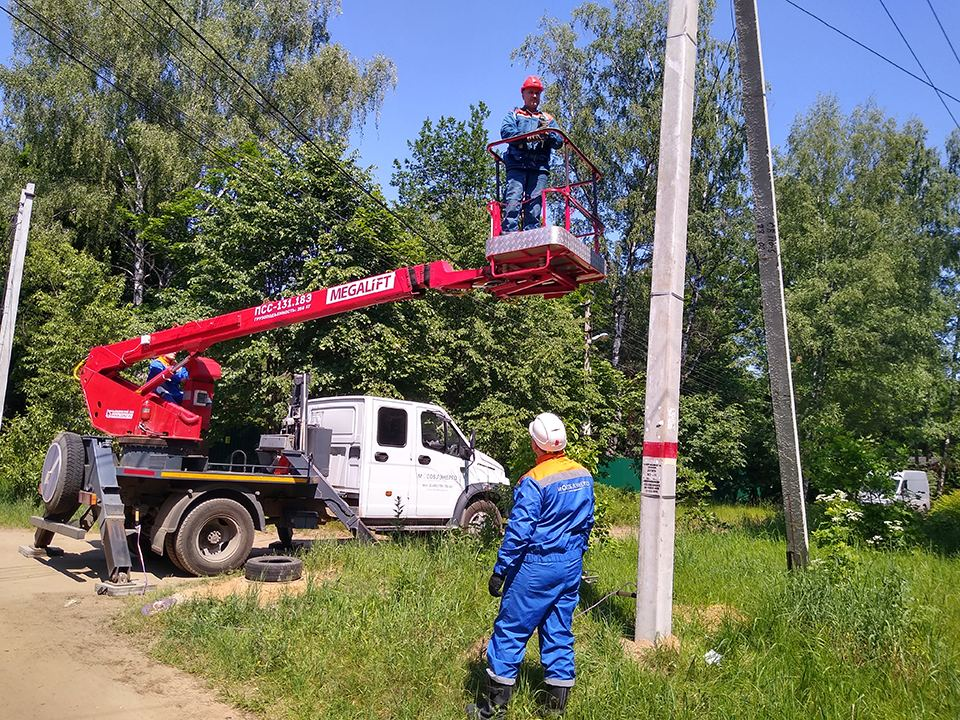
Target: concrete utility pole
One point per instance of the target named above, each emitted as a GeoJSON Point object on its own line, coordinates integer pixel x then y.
{"type": "Point", "coordinates": [12, 298]}
{"type": "Point", "coordinates": [771, 279]}
{"type": "Point", "coordinates": [654, 618]}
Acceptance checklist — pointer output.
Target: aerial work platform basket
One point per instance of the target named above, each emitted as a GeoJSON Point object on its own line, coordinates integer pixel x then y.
{"type": "Point", "coordinates": [549, 260]}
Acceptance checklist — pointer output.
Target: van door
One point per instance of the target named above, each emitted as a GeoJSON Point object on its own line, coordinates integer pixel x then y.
{"type": "Point", "coordinates": [440, 476]}
{"type": "Point", "coordinates": [390, 491]}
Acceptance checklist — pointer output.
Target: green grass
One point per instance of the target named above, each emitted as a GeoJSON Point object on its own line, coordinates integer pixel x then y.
{"type": "Point", "coordinates": [393, 631]}
{"type": "Point", "coordinates": [17, 513]}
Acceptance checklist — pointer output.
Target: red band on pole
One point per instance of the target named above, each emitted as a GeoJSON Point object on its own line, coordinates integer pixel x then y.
{"type": "Point", "coordinates": [660, 450]}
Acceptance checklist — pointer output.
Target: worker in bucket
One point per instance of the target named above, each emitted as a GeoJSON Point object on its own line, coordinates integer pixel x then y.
{"type": "Point", "coordinates": [527, 161]}
{"type": "Point", "coordinates": [169, 389]}
{"type": "Point", "coordinates": [538, 572]}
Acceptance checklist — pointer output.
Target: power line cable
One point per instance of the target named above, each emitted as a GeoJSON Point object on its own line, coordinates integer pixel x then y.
{"type": "Point", "coordinates": [871, 50]}
{"type": "Point", "coordinates": [198, 140]}
{"type": "Point", "coordinates": [925, 73]}
{"type": "Point", "coordinates": [946, 37]}
{"type": "Point", "coordinates": [302, 134]}
{"type": "Point", "coordinates": [263, 136]}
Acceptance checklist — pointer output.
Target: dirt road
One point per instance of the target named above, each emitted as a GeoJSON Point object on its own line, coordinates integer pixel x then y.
{"type": "Point", "coordinates": [59, 657]}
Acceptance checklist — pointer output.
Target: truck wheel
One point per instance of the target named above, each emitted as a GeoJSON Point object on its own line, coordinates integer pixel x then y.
{"type": "Point", "coordinates": [477, 514]}
{"type": "Point", "coordinates": [215, 537]}
{"type": "Point", "coordinates": [62, 476]}
{"type": "Point", "coordinates": [170, 550]}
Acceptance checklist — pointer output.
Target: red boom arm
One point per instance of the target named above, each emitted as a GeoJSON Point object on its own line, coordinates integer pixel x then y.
{"type": "Point", "coordinates": [547, 261]}
{"type": "Point", "coordinates": [119, 407]}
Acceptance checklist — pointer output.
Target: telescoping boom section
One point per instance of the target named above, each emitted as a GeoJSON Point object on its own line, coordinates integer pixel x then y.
{"type": "Point", "coordinates": [121, 407]}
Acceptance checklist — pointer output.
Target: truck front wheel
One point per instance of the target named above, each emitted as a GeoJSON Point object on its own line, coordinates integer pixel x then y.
{"type": "Point", "coordinates": [481, 513]}
{"type": "Point", "coordinates": [215, 537]}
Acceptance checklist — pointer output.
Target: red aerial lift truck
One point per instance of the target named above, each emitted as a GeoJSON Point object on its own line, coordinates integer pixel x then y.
{"type": "Point", "coordinates": [148, 468]}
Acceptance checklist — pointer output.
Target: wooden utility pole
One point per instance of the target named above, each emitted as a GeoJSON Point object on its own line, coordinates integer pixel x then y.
{"type": "Point", "coordinates": [771, 280]}
{"type": "Point", "coordinates": [12, 297]}
{"type": "Point", "coordinates": [654, 618]}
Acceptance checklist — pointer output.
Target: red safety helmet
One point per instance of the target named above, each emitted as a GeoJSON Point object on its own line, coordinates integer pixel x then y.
{"type": "Point", "coordinates": [532, 81]}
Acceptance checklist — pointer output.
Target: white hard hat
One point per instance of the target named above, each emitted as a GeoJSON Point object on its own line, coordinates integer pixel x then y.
{"type": "Point", "coordinates": [548, 432]}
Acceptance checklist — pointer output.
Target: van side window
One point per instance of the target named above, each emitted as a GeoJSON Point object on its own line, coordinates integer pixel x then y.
{"type": "Point", "coordinates": [392, 427]}
{"type": "Point", "coordinates": [431, 432]}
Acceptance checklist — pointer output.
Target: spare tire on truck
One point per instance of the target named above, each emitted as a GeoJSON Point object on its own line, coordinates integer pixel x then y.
{"type": "Point", "coordinates": [215, 537]}
{"type": "Point", "coordinates": [62, 476]}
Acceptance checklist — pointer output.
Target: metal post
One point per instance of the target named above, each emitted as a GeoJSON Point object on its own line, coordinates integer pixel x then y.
{"type": "Point", "coordinates": [771, 280]}
{"type": "Point", "coordinates": [659, 481]}
{"type": "Point", "coordinates": [12, 298]}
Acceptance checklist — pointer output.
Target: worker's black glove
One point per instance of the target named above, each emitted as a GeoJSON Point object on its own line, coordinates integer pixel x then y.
{"type": "Point", "coordinates": [495, 586]}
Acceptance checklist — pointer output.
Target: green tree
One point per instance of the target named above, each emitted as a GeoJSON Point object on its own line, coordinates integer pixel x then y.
{"type": "Point", "coordinates": [868, 218]}
{"type": "Point", "coordinates": [110, 147]}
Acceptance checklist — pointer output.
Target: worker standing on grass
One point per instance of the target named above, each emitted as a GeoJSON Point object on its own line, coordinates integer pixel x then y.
{"type": "Point", "coordinates": [527, 161]}
{"type": "Point", "coordinates": [169, 389]}
{"type": "Point", "coordinates": [538, 570]}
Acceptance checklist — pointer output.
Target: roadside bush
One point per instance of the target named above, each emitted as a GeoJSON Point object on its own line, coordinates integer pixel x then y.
{"type": "Point", "coordinates": [942, 526]}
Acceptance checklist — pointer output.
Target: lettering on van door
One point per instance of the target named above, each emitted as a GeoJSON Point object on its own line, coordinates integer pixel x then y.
{"type": "Point", "coordinates": [431, 480]}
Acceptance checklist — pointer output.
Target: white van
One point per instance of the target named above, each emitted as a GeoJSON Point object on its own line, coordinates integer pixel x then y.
{"type": "Point", "coordinates": [405, 464]}
{"type": "Point", "coordinates": [911, 487]}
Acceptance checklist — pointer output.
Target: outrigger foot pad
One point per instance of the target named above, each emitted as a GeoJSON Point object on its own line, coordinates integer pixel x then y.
{"type": "Point", "coordinates": [38, 552]}
{"type": "Point", "coordinates": [112, 589]}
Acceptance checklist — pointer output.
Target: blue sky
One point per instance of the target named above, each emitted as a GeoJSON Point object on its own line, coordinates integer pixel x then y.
{"type": "Point", "coordinates": [451, 54]}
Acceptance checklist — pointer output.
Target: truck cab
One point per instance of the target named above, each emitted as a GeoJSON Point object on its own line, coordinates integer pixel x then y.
{"type": "Point", "coordinates": [401, 462]}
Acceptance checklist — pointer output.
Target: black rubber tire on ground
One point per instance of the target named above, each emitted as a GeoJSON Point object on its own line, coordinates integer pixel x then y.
{"type": "Point", "coordinates": [215, 537]}
{"type": "Point", "coordinates": [273, 568]}
{"type": "Point", "coordinates": [478, 512]}
{"type": "Point", "coordinates": [62, 475]}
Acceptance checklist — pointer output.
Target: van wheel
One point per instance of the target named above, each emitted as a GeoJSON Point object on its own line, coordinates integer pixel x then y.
{"type": "Point", "coordinates": [215, 537]}
{"type": "Point", "coordinates": [478, 514]}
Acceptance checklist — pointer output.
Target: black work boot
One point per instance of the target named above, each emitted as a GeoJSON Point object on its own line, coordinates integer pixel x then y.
{"type": "Point", "coordinates": [492, 703]}
{"type": "Point", "coordinates": [556, 700]}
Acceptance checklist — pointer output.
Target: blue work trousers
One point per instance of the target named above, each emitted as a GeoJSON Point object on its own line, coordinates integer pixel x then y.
{"type": "Point", "coordinates": [541, 596]}
{"type": "Point", "coordinates": [524, 190]}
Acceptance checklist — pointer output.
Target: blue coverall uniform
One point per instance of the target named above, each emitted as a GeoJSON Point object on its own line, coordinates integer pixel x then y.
{"type": "Point", "coordinates": [541, 559]}
{"type": "Point", "coordinates": [170, 388]}
{"type": "Point", "coordinates": [528, 164]}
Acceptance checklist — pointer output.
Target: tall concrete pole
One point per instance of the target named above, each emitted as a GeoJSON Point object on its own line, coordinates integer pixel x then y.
{"type": "Point", "coordinates": [654, 618]}
{"type": "Point", "coordinates": [771, 280]}
{"type": "Point", "coordinates": [12, 298]}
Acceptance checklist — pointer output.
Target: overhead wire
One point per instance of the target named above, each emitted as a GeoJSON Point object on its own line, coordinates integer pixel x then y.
{"type": "Point", "coordinates": [164, 119]}
{"type": "Point", "coordinates": [922, 68]}
{"type": "Point", "coordinates": [945, 36]}
{"type": "Point", "coordinates": [303, 135]}
{"type": "Point", "coordinates": [239, 113]}
{"type": "Point", "coordinates": [871, 50]}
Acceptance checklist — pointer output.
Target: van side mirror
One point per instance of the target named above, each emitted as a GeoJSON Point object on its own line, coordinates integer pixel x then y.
{"type": "Point", "coordinates": [473, 439]}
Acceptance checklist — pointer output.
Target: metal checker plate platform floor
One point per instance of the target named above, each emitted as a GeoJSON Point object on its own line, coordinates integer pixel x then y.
{"type": "Point", "coordinates": [564, 258]}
